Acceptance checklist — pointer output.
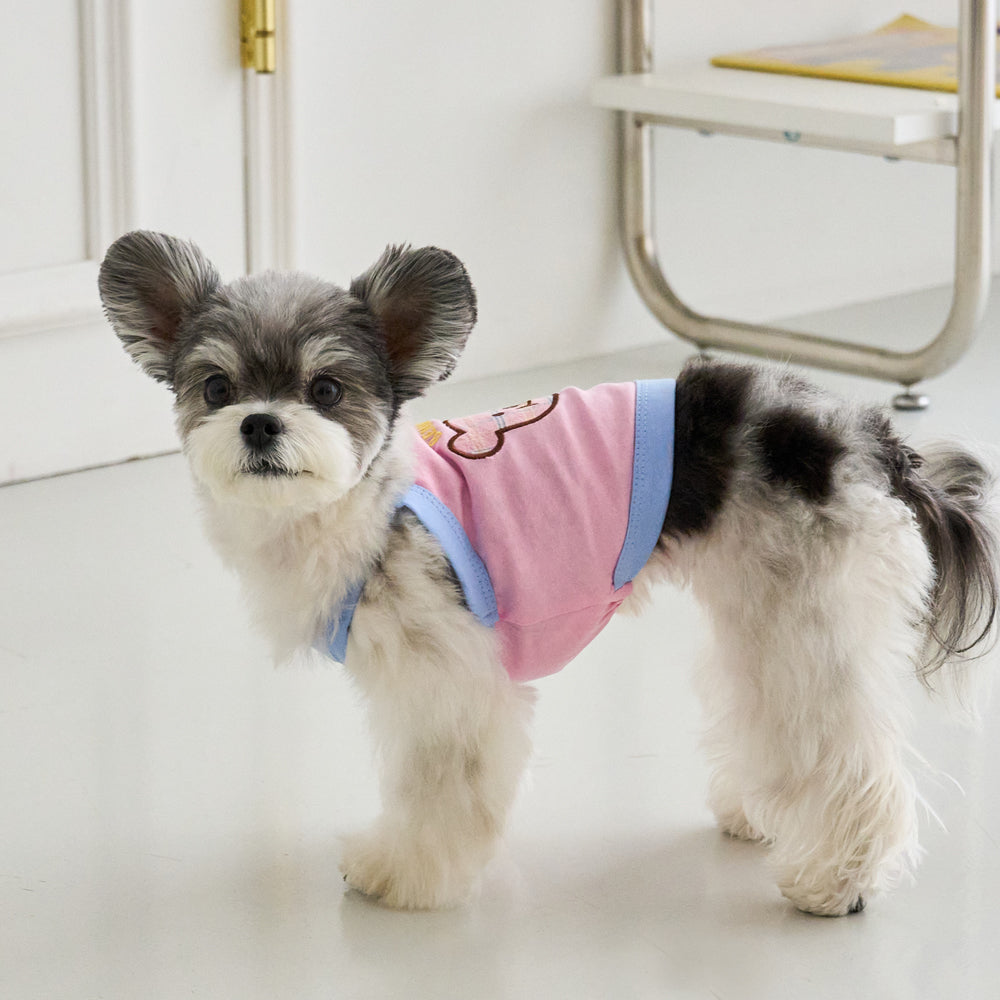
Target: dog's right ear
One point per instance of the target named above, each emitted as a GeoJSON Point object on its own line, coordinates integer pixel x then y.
{"type": "Point", "coordinates": [149, 284]}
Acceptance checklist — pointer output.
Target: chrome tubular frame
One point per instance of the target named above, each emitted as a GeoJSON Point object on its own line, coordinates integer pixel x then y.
{"type": "Point", "coordinates": [976, 89]}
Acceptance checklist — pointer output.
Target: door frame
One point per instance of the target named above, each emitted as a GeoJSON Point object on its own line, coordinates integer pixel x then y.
{"type": "Point", "coordinates": [49, 298]}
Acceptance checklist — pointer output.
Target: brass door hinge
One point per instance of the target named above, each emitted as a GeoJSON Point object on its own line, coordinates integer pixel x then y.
{"type": "Point", "coordinates": [257, 35]}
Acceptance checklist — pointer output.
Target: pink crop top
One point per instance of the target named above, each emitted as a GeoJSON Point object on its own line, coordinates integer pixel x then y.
{"type": "Point", "coordinates": [546, 512]}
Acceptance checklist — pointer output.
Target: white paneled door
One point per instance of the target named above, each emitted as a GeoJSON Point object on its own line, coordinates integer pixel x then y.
{"type": "Point", "coordinates": [114, 115]}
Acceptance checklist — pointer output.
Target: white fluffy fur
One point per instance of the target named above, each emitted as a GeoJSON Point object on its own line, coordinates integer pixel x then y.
{"type": "Point", "coordinates": [814, 631]}
{"type": "Point", "coordinates": [298, 554]}
{"type": "Point", "coordinates": [802, 688]}
{"type": "Point", "coordinates": [319, 455]}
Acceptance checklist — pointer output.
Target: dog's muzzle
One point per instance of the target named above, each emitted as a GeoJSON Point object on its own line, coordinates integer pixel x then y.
{"type": "Point", "coordinates": [261, 434]}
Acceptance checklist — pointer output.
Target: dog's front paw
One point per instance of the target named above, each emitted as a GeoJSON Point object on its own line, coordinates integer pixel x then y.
{"type": "Point", "coordinates": [732, 818]}
{"type": "Point", "coordinates": [405, 874]}
{"type": "Point", "coordinates": [737, 826]}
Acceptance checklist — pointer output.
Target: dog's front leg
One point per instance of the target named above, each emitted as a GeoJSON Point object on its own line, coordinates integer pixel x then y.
{"type": "Point", "coordinates": [452, 739]}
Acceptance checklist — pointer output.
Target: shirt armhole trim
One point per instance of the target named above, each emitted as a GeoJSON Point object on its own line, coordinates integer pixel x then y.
{"type": "Point", "coordinates": [652, 475]}
{"type": "Point", "coordinates": [471, 571]}
{"type": "Point", "coordinates": [340, 626]}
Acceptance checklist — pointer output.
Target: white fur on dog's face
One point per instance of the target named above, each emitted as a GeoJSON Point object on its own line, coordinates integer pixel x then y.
{"type": "Point", "coordinates": [267, 348]}
{"type": "Point", "coordinates": [314, 462]}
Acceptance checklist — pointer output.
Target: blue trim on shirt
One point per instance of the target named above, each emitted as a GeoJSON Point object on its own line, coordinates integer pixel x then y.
{"type": "Point", "coordinates": [477, 588]}
{"type": "Point", "coordinates": [471, 571]}
{"type": "Point", "coordinates": [338, 629]}
{"type": "Point", "coordinates": [652, 475]}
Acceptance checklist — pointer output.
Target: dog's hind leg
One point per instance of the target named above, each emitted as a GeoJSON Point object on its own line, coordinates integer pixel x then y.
{"type": "Point", "coordinates": [728, 742]}
{"type": "Point", "coordinates": [817, 617]}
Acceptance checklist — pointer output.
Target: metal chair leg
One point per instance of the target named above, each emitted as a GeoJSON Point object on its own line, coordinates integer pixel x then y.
{"type": "Point", "coordinates": [976, 91]}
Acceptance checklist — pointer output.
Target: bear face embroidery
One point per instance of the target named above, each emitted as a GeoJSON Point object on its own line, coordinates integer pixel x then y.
{"type": "Point", "coordinates": [483, 435]}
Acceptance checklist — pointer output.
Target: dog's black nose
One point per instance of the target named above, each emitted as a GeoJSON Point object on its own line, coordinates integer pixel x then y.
{"type": "Point", "coordinates": [259, 430]}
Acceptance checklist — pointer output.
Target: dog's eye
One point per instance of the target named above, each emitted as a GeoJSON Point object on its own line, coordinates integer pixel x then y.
{"type": "Point", "coordinates": [218, 390]}
{"type": "Point", "coordinates": [325, 391]}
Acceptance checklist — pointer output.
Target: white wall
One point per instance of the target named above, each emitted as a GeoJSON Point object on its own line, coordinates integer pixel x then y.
{"type": "Point", "coordinates": [469, 126]}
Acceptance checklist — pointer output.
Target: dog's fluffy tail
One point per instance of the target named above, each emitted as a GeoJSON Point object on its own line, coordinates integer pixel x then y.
{"type": "Point", "coordinates": [951, 493]}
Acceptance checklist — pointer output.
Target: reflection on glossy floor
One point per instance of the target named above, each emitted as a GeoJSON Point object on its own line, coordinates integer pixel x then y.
{"type": "Point", "coordinates": [171, 805]}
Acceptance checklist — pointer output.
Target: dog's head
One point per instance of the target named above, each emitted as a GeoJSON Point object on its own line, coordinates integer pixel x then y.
{"type": "Point", "coordinates": [286, 387]}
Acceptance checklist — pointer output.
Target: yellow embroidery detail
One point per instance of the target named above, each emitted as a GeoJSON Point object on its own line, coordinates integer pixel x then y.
{"type": "Point", "coordinates": [429, 432]}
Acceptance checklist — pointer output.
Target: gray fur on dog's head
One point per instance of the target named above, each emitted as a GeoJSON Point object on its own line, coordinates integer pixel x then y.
{"type": "Point", "coordinates": [277, 342]}
{"type": "Point", "coordinates": [155, 288]}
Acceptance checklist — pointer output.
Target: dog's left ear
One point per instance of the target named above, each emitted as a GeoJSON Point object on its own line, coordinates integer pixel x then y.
{"type": "Point", "coordinates": [426, 306]}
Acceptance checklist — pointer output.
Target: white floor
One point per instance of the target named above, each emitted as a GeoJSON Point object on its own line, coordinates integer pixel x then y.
{"type": "Point", "coordinates": [171, 805]}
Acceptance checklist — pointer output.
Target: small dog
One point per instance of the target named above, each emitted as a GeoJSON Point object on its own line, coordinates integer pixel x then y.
{"type": "Point", "coordinates": [832, 560]}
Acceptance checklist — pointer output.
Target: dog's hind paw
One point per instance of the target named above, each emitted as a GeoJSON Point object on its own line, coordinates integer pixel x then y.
{"type": "Point", "coordinates": [839, 901]}
{"type": "Point", "coordinates": [404, 876]}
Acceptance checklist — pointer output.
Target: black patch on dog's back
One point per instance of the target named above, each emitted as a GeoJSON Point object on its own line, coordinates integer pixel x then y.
{"type": "Point", "coordinates": [711, 403]}
{"type": "Point", "coordinates": [799, 453]}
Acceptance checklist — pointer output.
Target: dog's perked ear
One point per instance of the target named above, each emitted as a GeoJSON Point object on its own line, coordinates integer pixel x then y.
{"type": "Point", "coordinates": [149, 284]}
{"type": "Point", "coordinates": [426, 306]}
